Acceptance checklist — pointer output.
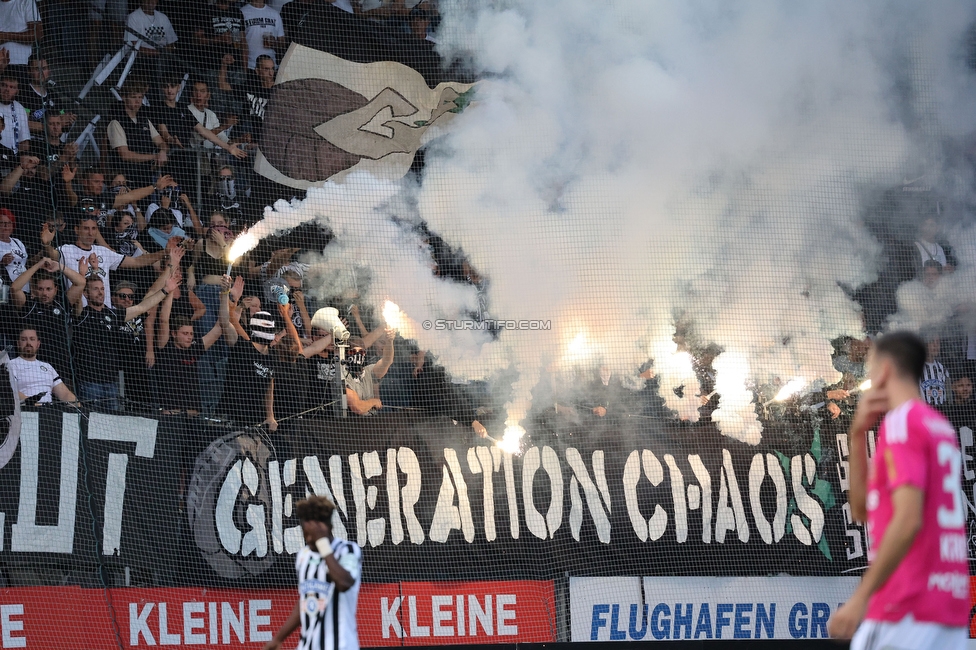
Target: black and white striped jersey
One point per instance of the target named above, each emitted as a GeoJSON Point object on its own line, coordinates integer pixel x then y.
{"type": "Point", "coordinates": [935, 384]}
{"type": "Point", "coordinates": [328, 617]}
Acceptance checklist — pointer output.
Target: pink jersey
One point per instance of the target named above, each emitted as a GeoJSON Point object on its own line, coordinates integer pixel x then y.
{"type": "Point", "coordinates": [917, 446]}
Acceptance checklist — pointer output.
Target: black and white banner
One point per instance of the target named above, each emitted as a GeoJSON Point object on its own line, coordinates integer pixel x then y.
{"type": "Point", "coordinates": [203, 506]}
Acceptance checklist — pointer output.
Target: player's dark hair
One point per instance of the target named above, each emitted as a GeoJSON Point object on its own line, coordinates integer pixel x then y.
{"type": "Point", "coordinates": [315, 509]}
{"type": "Point", "coordinates": [906, 350]}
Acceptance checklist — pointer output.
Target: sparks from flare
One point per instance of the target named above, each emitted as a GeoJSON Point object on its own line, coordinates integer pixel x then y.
{"type": "Point", "coordinates": [865, 385]}
{"type": "Point", "coordinates": [392, 315]}
{"type": "Point", "coordinates": [242, 244]}
{"type": "Point", "coordinates": [511, 442]}
{"type": "Point", "coordinates": [791, 388]}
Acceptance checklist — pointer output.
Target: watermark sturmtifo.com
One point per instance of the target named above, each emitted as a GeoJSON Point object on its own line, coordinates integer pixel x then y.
{"type": "Point", "coordinates": [488, 324]}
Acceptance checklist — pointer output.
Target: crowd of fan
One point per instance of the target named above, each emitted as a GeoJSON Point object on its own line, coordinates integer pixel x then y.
{"type": "Point", "coordinates": [125, 256]}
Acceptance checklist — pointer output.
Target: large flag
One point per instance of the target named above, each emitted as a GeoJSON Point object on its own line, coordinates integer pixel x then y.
{"type": "Point", "coordinates": [328, 117]}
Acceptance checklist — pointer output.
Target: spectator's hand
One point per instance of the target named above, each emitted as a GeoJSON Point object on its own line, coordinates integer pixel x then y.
{"type": "Point", "coordinates": [7, 259]}
{"type": "Point", "coordinates": [176, 254]}
{"type": "Point", "coordinates": [479, 429]}
{"type": "Point", "coordinates": [600, 411]}
{"type": "Point", "coordinates": [69, 120]}
{"type": "Point", "coordinates": [4, 58]}
{"type": "Point", "coordinates": [51, 266]}
{"type": "Point", "coordinates": [228, 59]}
{"type": "Point", "coordinates": [29, 163]}
{"type": "Point", "coordinates": [151, 357]}
{"type": "Point", "coordinates": [225, 283]}
{"type": "Point", "coordinates": [231, 120]}
{"type": "Point", "coordinates": [390, 334]}
{"type": "Point", "coordinates": [272, 424]}
{"type": "Point", "coordinates": [298, 296]}
{"type": "Point", "coordinates": [237, 152]}
{"type": "Point", "coordinates": [83, 267]}
{"type": "Point", "coordinates": [47, 234]}
{"type": "Point", "coordinates": [172, 283]}
{"type": "Point", "coordinates": [834, 410]}
{"type": "Point", "coordinates": [185, 200]}
{"type": "Point", "coordinates": [68, 172]}
{"type": "Point", "coordinates": [285, 310]}
{"type": "Point", "coordinates": [173, 242]}
{"type": "Point", "coordinates": [69, 151]}
{"type": "Point", "coordinates": [161, 158]}
{"type": "Point", "coordinates": [165, 181]}
{"type": "Point", "coordinates": [237, 290]}
{"type": "Point", "coordinates": [838, 394]}
{"type": "Point", "coordinates": [217, 237]}
{"type": "Point", "coordinates": [354, 310]}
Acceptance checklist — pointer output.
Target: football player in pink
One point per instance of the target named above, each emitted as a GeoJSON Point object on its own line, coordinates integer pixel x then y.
{"type": "Point", "coordinates": [915, 593]}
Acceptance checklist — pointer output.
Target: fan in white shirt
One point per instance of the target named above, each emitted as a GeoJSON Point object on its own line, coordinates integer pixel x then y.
{"type": "Point", "coordinates": [20, 23]}
{"type": "Point", "coordinates": [153, 25]}
{"type": "Point", "coordinates": [36, 380]}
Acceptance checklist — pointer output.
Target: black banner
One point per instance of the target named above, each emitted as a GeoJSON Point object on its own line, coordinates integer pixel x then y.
{"type": "Point", "coordinates": [178, 501]}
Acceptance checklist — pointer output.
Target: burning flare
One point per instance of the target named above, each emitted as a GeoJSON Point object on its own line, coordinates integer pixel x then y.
{"type": "Point", "coordinates": [511, 442]}
{"type": "Point", "coordinates": [791, 388]}
{"type": "Point", "coordinates": [242, 244]}
{"type": "Point", "coordinates": [392, 315]}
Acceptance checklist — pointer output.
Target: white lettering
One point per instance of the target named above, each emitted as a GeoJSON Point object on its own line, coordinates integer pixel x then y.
{"type": "Point", "coordinates": [139, 624]}
{"type": "Point", "coordinates": [230, 619]}
{"type": "Point", "coordinates": [441, 616]}
{"type": "Point", "coordinates": [375, 528]}
{"type": "Point", "coordinates": [165, 637]}
{"type": "Point", "coordinates": [409, 465]}
{"type": "Point", "coordinates": [257, 621]}
{"type": "Point", "coordinates": [9, 625]}
{"type": "Point", "coordinates": [142, 432]}
{"type": "Point", "coordinates": [956, 583]}
{"type": "Point", "coordinates": [415, 629]}
{"type": "Point", "coordinates": [734, 517]}
{"type": "Point", "coordinates": [952, 547]}
{"type": "Point", "coordinates": [542, 528]}
{"type": "Point", "coordinates": [190, 624]}
{"type": "Point", "coordinates": [807, 504]}
{"type": "Point", "coordinates": [704, 494]}
{"type": "Point", "coordinates": [597, 513]}
{"type": "Point", "coordinates": [478, 615]}
{"type": "Point", "coordinates": [389, 617]}
{"type": "Point", "coordinates": [393, 496]}
{"type": "Point", "coordinates": [26, 536]}
{"type": "Point", "coordinates": [503, 615]}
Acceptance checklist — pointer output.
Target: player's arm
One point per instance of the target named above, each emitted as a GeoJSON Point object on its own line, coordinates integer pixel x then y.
{"type": "Point", "coordinates": [294, 620]}
{"type": "Point", "coordinates": [870, 407]}
{"type": "Point", "coordinates": [340, 575]}
{"type": "Point", "coordinates": [907, 502]}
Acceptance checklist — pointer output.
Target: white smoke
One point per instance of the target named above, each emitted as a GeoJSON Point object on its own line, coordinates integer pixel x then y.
{"type": "Point", "coordinates": [631, 164]}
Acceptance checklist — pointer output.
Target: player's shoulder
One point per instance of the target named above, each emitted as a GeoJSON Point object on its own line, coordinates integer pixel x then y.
{"type": "Point", "coordinates": [344, 546]}
{"type": "Point", "coordinates": [920, 421]}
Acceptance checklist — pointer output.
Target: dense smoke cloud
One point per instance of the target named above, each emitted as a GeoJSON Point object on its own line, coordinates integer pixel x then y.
{"type": "Point", "coordinates": [633, 167]}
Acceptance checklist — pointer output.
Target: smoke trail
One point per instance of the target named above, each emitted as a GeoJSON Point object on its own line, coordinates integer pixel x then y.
{"type": "Point", "coordinates": [632, 166]}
